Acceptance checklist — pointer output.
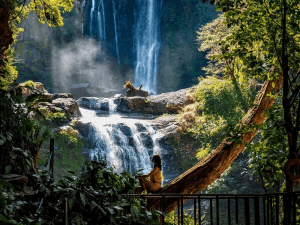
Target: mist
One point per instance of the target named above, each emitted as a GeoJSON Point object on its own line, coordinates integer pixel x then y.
{"type": "Point", "coordinates": [84, 61]}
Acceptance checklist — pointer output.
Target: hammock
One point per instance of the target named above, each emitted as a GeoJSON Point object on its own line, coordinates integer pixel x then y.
{"type": "Point", "coordinates": [198, 177]}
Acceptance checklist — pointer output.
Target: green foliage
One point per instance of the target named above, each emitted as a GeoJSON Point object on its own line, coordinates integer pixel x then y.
{"type": "Point", "coordinates": [93, 197]}
{"type": "Point", "coordinates": [50, 10]}
{"type": "Point", "coordinates": [54, 117]}
{"type": "Point", "coordinates": [68, 156]}
{"type": "Point", "coordinates": [29, 84]}
{"type": "Point", "coordinates": [270, 151]}
{"type": "Point", "coordinates": [172, 218]}
{"type": "Point", "coordinates": [19, 135]}
{"type": "Point", "coordinates": [219, 103]}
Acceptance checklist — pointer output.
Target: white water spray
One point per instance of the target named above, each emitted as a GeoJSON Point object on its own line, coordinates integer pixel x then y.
{"type": "Point", "coordinates": [147, 45]}
{"type": "Point", "coordinates": [126, 144]}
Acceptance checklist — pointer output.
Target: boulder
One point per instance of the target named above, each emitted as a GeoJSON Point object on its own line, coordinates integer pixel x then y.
{"type": "Point", "coordinates": [173, 101]}
{"type": "Point", "coordinates": [69, 105]}
{"type": "Point", "coordinates": [62, 95]}
{"type": "Point", "coordinates": [94, 103]}
{"type": "Point", "coordinates": [39, 89]}
{"type": "Point", "coordinates": [165, 125]}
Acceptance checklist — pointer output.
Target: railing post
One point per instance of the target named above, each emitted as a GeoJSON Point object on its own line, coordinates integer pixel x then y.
{"type": "Point", "coordinates": [277, 208]}
{"type": "Point", "coordinates": [256, 210]}
{"type": "Point", "coordinates": [211, 211]}
{"type": "Point", "coordinates": [181, 206]}
{"type": "Point", "coordinates": [246, 209]}
{"type": "Point", "coordinates": [66, 211]}
{"type": "Point", "coordinates": [228, 207]}
{"type": "Point", "coordinates": [294, 208]}
{"type": "Point", "coordinates": [264, 209]}
{"type": "Point", "coordinates": [236, 210]}
{"type": "Point", "coordinates": [199, 206]}
{"type": "Point", "coordinates": [178, 211]}
{"type": "Point", "coordinates": [217, 211]}
{"type": "Point", "coordinates": [195, 211]}
{"type": "Point", "coordinates": [52, 157]}
{"type": "Point", "coordinates": [163, 209]}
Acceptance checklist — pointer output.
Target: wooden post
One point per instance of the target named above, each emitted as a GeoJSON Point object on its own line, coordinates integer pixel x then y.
{"type": "Point", "coordinates": [66, 211]}
{"type": "Point", "coordinates": [52, 156]}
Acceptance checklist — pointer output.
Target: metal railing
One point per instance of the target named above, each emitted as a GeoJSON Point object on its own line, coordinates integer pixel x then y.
{"type": "Point", "coordinates": [49, 166]}
{"type": "Point", "coordinates": [278, 208]}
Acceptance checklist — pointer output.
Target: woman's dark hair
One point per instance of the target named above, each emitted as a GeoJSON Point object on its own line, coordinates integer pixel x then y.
{"type": "Point", "coordinates": [157, 160]}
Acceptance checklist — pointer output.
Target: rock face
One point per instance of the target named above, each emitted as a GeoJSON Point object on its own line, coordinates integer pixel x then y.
{"type": "Point", "coordinates": [94, 103]}
{"type": "Point", "coordinates": [69, 105]}
{"type": "Point", "coordinates": [165, 125]}
{"type": "Point", "coordinates": [154, 104]}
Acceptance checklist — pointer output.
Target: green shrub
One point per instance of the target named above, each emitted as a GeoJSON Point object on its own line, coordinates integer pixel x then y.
{"type": "Point", "coordinates": [94, 196]}
{"type": "Point", "coordinates": [29, 84]}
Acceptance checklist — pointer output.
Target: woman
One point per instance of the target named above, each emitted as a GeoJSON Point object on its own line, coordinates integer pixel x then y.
{"type": "Point", "coordinates": [155, 178]}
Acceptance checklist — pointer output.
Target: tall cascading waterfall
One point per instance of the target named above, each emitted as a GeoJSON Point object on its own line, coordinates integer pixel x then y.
{"type": "Point", "coordinates": [116, 33]}
{"type": "Point", "coordinates": [97, 17]}
{"type": "Point", "coordinates": [129, 29]}
{"type": "Point", "coordinates": [126, 144]}
{"type": "Point", "coordinates": [147, 44]}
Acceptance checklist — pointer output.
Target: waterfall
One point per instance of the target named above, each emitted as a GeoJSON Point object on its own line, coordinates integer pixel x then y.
{"type": "Point", "coordinates": [92, 17]}
{"type": "Point", "coordinates": [112, 107]}
{"type": "Point", "coordinates": [147, 44]}
{"type": "Point", "coordinates": [101, 20]}
{"type": "Point", "coordinates": [126, 144]}
{"type": "Point", "coordinates": [116, 33]}
{"type": "Point", "coordinates": [130, 29]}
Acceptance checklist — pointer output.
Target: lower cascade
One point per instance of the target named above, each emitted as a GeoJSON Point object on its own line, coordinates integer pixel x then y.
{"type": "Point", "coordinates": [127, 144]}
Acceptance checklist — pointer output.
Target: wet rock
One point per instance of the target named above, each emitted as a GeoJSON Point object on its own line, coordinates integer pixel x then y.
{"type": "Point", "coordinates": [93, 103]}
{"type": "Point", "coordinates": [117, 139]}
{"type": "Point", "coordinates": [146, 140]}
{"type": "Point", "coordinates": [140, 127]}
{"type": "Point", "coordinates": [62, 95]}
{"type": "Point", "coordinates": [125, 129]}
{"type": "Point", "coordinates": [131, 142]}
{"type": "Point", "coordinates": [83, 128]}
{"type": "Point", "coordinates": [165, 125]}
{"type": "Point", "coordinates": [69, 105]}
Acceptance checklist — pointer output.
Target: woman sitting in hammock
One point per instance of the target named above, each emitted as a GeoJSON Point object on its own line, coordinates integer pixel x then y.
{"type": "Point", "coordinates": [155, 178]}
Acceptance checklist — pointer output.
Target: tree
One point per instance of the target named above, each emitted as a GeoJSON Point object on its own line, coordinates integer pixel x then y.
{"type": "Point", "coordinates": [11, 13]}
{"type": "Point", "coordinates": [274, 27]}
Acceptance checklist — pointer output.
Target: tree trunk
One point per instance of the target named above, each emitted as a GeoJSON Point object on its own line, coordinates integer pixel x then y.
{"type": "Point", "coordinates": [211, 167]}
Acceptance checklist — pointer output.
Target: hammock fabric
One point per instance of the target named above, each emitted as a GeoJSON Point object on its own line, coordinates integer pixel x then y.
{"type": "Point", "coordinates": [198, 177]}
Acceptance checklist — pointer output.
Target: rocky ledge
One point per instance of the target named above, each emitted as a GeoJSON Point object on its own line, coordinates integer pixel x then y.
{"type": "Point", "coordinates": [154, 104]}
{"type": "Point", "coordinates": [59, 102]}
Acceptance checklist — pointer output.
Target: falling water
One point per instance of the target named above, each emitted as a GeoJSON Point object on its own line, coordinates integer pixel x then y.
{"type": "Point", "coordinates": [126, 144]}
{"type": "Point", "coordinates": [101, 20]}
{"type": "Point", "coordinates": [92, 17]}
{"type": "Point", "coordinates": [116, 33]}
{"type": "Point", "coordinates": [112, 107]}
{"type": "Point", "coordinates": [147, 44]}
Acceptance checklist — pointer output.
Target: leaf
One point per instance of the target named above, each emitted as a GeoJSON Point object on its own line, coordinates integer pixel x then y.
{"type": "Point", "coordinates": [71, 201]}
{"type": "Point", "coordinates": [2, 139]}
{"type": "Point", "coordinates": [82, 197]}
{"type": "Point", "coordinates": [110, 210]}
{"type": "Point", "coordinates": [8, 169]}
{"type": "Point", "coordinates": [4, 219]}
{"type": "Point", "coordinates": [118, 208]}
{"type": "Point", "coordinates": [93, 205]}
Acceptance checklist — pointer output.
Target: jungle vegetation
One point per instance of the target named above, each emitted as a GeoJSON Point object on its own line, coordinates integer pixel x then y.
{"type": "Point", "coordinates": [250, 42]}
